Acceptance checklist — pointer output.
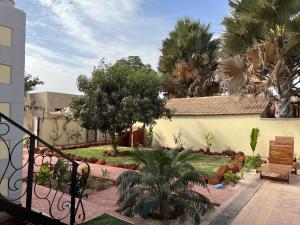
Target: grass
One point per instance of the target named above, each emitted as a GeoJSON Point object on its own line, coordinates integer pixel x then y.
{"type": "Point", "coordinates": [208, 164]}
{"type": "Point", "coordinates": [106, 219]}
{"type": "Point", "coordinates": [98, 152]}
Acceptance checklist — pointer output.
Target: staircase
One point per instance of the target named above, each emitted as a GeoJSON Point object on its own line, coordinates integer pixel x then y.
{"type": "Point", "coordinates": [45, 188]}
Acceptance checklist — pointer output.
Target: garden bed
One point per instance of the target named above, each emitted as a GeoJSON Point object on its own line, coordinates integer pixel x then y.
{"type": "Point", "coordinates": [207, 163]}
{"type": "Point", "coordinates": [94, 184]}
{"type": "Point", "coordinates": [45, 177]}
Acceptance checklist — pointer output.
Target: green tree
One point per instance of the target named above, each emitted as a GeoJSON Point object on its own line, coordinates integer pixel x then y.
{"type": "Point", "coordinates": [188, 57]}
{"type": "Point", "coordinates": [261, 46]}
{"type": "Point", "coordinates": [117, 96]}
{"type": "Point", "coordinates": [30, 83]}
{"type": "Point", "coordinates": [163, 188]}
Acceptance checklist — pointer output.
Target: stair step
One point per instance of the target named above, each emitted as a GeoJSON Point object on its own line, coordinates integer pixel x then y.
{"type": "Point", "coordinates": [6, 219]}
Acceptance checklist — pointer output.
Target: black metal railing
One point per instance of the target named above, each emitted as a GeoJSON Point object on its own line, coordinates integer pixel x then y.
{"type": "Point", "coordinates": [43, 187]}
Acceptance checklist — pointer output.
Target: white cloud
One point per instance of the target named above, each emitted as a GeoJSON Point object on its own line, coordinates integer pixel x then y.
{"type": "Point", "coordinates": [81, 32]}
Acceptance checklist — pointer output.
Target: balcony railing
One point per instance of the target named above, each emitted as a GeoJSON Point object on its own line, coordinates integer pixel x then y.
{"type": "Point", "coordinates": [43, 188]}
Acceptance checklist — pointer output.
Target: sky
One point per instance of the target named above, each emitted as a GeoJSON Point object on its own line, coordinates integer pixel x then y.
{"type": "Point", "coordinates": [66, 38]}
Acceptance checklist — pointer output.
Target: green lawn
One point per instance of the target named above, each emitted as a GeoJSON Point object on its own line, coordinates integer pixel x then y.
{"type": "Point", "coordinates": [106, 219]}
{"type": "Point", "coordinates": [98, 152]}
{"type": "Point", "coordinates": [209, 163]}
{"type": "Point", "coordinates": [206, 163]}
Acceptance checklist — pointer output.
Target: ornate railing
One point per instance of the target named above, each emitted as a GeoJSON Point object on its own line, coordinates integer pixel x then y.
{"type": "Point", "coordinates": [47, 182]}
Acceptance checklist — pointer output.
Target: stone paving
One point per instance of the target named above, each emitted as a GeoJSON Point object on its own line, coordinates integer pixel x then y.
{"type": "Point", "coordinates": [227, 215]}
{"type": "Point", "coordinates": [274, 203]}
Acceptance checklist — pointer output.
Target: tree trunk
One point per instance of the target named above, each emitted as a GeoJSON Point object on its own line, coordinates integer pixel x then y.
{"type": "Point", "coordinates": [114, 141]}
{"type": "Point", "coordinates": [284, 107]}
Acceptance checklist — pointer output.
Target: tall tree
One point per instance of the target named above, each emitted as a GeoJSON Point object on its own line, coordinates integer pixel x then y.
{"type": "Point", "coordinates": [188, 57]}
{"type": "Point", "coordinates": [261, 47]}
{"type": "Point", "coordinates": [30, 83]}
{"type": "Point", "coordinates": [117, 96]}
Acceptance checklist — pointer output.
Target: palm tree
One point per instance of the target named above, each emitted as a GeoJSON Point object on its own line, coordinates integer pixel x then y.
{"type": "Point", "coordinates": [188, 54]}
{"type": "Point", "coordinates": [265, 57]}
{"type": "Point", "coordinates": [163, 189]}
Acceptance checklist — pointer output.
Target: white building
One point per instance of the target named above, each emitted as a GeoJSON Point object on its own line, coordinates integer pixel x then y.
{"type": "Point", "coordinates": [12, 59]}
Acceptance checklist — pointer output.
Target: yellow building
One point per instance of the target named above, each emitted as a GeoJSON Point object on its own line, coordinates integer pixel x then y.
{"type": "Point", "coordinates": [48, 125]}
{"type": "Point", "coordinates": [229, 120]}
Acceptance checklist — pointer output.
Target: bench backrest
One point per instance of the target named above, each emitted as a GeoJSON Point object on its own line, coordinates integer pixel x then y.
{"type": "Point", "coordinates": [284, 140]}
{"type": "Point", "coordinates": [282, 150]}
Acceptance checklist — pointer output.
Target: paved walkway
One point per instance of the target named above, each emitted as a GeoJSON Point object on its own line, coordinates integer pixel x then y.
{"type": "Point", "coordinates": [273, 204]}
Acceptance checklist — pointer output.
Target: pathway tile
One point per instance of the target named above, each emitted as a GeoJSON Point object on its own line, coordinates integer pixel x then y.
{"type": "Point", "coordinates": [274, 204]}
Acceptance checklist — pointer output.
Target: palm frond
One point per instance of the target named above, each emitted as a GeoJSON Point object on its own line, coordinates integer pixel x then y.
{"type": "Point", "coordinates": [293, 28]}
{"type": "Point", "coordinates": [163, 187]}
{"type": "Point", "coordinates": [190, 177]}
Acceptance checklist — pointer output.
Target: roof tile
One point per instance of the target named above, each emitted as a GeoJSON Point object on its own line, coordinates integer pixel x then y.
{"type": "Point", "coordinates": [218, 105]}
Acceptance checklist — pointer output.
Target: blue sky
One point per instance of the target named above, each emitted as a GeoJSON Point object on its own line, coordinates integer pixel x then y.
{"type": "Point", "coordinates": [66, 38]}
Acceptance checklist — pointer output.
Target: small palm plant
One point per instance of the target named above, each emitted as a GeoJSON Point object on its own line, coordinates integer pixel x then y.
{"type": "Point", "coordinates": [253, 139]}
{"type": "Point", "coordinates": [163, 189]}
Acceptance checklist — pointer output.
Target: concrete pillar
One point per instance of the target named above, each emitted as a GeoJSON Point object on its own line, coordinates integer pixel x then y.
{"type": "Point", "coordinates": [12, 60]}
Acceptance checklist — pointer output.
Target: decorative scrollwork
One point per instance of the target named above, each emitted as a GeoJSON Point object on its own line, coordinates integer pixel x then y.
{"type": "Point", "coordinates": [51, 173]}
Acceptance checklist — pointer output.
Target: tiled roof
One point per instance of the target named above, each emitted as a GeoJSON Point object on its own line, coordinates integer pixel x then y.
{"type": "Point", "coordinates": [217, 105]}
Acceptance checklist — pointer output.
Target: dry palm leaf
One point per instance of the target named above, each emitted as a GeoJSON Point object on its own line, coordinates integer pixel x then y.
{"type": "Point", "coordinates": [253, 59]}
{"type": "Point", "coordinates": [235, 73]}
{"type": "Point", "coordinates": [185, 71]}
{"type": "Point", "coordinates": [270, 52]}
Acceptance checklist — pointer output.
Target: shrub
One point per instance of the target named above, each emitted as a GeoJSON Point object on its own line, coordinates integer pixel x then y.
{"type": "Point", "coordinates": [178, 141]}
{"type": "Point", "coordinates": [44, 174]}
{"type": "Point", "coordinates": [252, 162]}
{"type": "Point", "coordinates": [163, 189]}
{"type": "Point", "coordinates": [253, 139]}
{"type": "Point", "coordinates": [61, 170]}
{"type": "Point", "coordinates": [231, 177]}
{"type": "Point", "coordinates": [208, 139]}
{"type": "Point", "coordinates": [104, 173]}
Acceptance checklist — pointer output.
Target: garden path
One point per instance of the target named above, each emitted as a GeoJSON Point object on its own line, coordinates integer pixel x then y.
{"type": "Point", "coordinates": [274, 203]}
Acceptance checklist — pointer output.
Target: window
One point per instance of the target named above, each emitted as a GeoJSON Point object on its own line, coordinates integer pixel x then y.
{"type": "Point", "coordinates": [5, 36]}
{"type": "Point", "coordinates": [5, 74]}
{"type": "Point", "coordinates": [5, 108]}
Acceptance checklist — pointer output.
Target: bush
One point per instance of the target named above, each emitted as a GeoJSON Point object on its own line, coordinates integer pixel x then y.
{"type": "Point", "coordinates": [208, 139]}
{"type": "Point", "coordinates": [231, 177]}
{"type": "Point", "coordinates": [44, 174]}
{"type": "Point", "coordinates": [61, 170]}
{"type": "Point", "coordinates": [178, 141]}
{"type": "Point", "coordinates": [252, 162]}
{"type": "Point", "coordinates": [163, 189]}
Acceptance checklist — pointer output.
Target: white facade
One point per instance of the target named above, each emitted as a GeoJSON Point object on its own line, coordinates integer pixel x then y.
{"type": "Point", "coordinates": [12, 60]}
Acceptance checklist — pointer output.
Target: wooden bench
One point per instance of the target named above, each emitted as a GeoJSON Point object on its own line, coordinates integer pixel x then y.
{"type": "Point", "coordinates": [281, 160]}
